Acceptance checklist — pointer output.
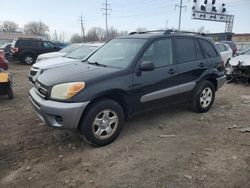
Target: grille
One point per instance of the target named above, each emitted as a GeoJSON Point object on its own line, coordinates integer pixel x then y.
{"type": "Point", "coordinates": [42, 90]}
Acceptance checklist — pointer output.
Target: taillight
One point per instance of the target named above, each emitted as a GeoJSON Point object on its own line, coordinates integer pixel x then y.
{"type": "Point", "coordinates": [14, 50]}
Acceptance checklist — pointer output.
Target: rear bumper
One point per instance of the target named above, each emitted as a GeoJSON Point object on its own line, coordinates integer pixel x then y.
{"type": "Point", "coordinates": [57, 114]}
{"type": "Point", "coordinates": [221, 81]}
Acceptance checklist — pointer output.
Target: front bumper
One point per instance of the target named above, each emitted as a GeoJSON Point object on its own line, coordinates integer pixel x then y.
{"type": "Point", "coordinates": [221, 81]}
{"type": "Point", "coordinates": [57, 114]}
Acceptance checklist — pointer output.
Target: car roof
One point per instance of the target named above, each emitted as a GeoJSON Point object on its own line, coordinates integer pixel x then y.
{"type": "Point", "coordinates": [154, 35]}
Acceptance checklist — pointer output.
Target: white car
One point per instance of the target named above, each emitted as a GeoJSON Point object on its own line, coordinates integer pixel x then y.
{"type": "Point", "coordinates": [238, 68]}
{"type": "Point", "coordinates": [60, 53]}
{"type": "Point", "coordinates": [76, 55]}
{"type": "Point", "coordinates": [225, 51]}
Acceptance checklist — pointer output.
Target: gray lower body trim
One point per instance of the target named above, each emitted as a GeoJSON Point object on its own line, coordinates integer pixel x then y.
{"type": "Point", "coordinates": [221, 81]}
{"type": "Point", "coordinates": [48, 111]}
{"type": "Point", "coordinates": [168, 92]}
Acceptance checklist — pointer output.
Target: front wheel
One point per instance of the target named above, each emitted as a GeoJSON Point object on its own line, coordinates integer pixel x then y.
{"type": "Point", "coordinates": [204, 97]}
{"type": "Point", "coordinates": [28, 59]}
{"type": "Point", "coordinates": [102, 122]}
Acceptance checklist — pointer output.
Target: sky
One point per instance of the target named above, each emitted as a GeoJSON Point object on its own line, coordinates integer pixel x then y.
{"type": "Point", "coordinates": [63, 15]}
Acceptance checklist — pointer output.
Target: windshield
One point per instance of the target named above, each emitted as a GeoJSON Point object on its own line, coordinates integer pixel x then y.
{"type": "Point", "coordinates": [81, 52]}
{"type": "Point", "coordinates": [69, 48]}
{"type": "Point", "coordinates": [117, 53]}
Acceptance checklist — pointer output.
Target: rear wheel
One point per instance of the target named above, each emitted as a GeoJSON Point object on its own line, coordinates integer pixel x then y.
{"type": "Point", "coordinates": [204, 97]}
{"type": "Point", "coordinates": [102, 122]}
{"type": "Point", "coordinates": [28, 59]}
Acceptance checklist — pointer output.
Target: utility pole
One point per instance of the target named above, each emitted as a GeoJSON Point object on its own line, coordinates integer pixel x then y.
{"type": "Point", "coordinates": [82, 27]}
{"type": "Point", "coordinates": [180, 6]}
{"type": "Point", "coordinates": [106, 8]}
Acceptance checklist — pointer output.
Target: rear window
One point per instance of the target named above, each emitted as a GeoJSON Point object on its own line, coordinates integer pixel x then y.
{"type": "Point", "coordinates": [209, 50]}
{"type": "Point", "coordinates": [185, 50]}
{"type": "Point", "coordinates": [25, 43]}
{"type": "Point", "coordinates": [221, 47]}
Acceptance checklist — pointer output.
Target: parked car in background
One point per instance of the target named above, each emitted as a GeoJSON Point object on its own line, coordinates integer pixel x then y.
{"type": "Point", "coordinates": [243, 51]}
{"type": "Point", "coordinates": [27, 49]}
{"type": "Point", "coordinates": [7, 49]}
{"type": "Point", "coordinates": [78, 54]}
{"type": "Point", "coordinates": [3, 61]}
{"type": "Point", "coordinates": [225, 51]}
{"type": "Point", "coordinates": [128, 75]}
{"type": "Point", "coordinates": [232, 46]}
{"type": "Point", "coordinates": [238, 68]}
{"type": "Point", "coordinates": [60, 53]}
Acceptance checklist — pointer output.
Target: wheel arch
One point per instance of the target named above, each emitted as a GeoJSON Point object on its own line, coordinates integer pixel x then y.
{"type": "Point", "coordinates": [117, 95]}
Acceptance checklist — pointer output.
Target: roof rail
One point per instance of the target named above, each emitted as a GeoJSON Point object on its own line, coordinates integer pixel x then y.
{"type": "Point", "coordinates": [180, 31]}
{"type": "Point", "coordinates": [165, 32]}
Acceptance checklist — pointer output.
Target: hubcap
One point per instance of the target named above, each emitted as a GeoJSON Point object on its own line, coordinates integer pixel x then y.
{"type": "Point", "coordinates": [206, 97]}
{"type": "Point", "coordinates": [28, 60]}
{"type": "Point", "coordinates": [105, 124]}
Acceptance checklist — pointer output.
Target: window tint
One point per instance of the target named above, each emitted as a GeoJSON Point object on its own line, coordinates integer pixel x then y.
{"type": "Point", "coordinates": [160, 53]}
{"type": "Point", "coordinates": [208, 49]}
{"type": "Point", "coordinates": [199, 51]}
{"type": "Point", "coordinates": [185, 50]}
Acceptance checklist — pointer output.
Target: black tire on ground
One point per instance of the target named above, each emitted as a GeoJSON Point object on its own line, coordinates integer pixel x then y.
{"type": "Point", "coordinates": [28, 59]}
{"type": "Point", "coordinates": [201, 102]}
{"type": "Point", "coordinates": [10, 94]}
{"type": "Point", "coordinates": [99, 116]}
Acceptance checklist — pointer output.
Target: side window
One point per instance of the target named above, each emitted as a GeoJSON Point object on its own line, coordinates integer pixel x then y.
{"type": "Point", "coordinates": [199, 51]}
{"type": "Point", "coordinates": [221, 47]}
{"type": "Point", "coordinates": [48, 45]}
{"type": "Point", "coordinates": [185, 50]}
{"type": "Point", "coordinates": [209, 50]}
{"type": "Point", "coordinates": [160, 53]}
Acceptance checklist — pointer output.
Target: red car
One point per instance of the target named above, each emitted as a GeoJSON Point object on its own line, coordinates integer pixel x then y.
{"type": "Point", "coordinates": [3, 61]}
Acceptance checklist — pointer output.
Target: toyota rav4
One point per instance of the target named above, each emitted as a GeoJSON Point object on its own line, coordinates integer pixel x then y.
{"type": "Point", "coordinates": [128, 75]}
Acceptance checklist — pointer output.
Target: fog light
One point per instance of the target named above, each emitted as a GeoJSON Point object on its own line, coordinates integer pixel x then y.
{"type": "Point", "coordinates": [59, 119]}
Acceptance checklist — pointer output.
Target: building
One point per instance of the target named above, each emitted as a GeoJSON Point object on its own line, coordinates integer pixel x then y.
{"type": "Point", "coordinates": [10, 36]}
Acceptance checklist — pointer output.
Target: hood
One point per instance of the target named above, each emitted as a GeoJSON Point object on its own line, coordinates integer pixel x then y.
{"type": "Point", "coordinates": [51, 54]}
{"type": "Point", "coordinates": [53, 62]}
{"type": "Point", "coordinates": [75, 72]}
{"type": "Point", "coordinates": [244, 58]}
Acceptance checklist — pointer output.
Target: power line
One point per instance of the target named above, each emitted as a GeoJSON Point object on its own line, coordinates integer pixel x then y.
{"type": "Point", "coordinates": [106, 9]}
{"type": "Point", "coordinates": [180, 7]}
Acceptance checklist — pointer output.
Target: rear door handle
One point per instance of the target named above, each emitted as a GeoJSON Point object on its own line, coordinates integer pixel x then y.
{"type": "Point", "coordinates": [171, 71]}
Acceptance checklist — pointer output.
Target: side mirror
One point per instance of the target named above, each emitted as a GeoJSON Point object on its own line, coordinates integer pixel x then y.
{"type": "Point", "coordinates": [147, 66]}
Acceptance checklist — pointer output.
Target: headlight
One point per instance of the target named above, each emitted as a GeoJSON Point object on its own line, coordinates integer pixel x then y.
{"type": "Point", "coordinates": [67, 90]}
{"type": "Point", "coordinates": [228, 69]}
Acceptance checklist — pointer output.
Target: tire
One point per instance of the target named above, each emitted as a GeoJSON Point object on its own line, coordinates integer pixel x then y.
{"type": "Point", "coordinates": [97, 125]}
{"type": "Point", "coordinates": [204, 97]}
{"type": "Point", "coordinates": [10, 94]}
{"type": "Point", "coordinates": [28, 59]}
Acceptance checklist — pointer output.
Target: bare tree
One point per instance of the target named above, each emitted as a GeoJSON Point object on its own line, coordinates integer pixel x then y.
{"type": "Point", "coordinates": [95, 34]}
{"type": "Point", "coordinates": [76, 38]}
{"type": "Point", "coordinates": [36, 28]}
{"type": "Point", "coordinates": [9, 26]}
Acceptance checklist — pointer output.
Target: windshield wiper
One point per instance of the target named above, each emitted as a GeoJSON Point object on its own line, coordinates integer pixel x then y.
{"type": "Point", "coordinates": [97, 64]}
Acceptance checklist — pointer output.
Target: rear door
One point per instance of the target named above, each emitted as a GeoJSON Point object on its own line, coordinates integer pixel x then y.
{"type": "Point", "coordinates": [153, 88]}
{"type": "Point", "coordinates": [191, 62]}
{"type": "Point", "coordinates": [46, 46]}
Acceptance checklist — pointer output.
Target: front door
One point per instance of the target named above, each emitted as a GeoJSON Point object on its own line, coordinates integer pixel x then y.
{"type": "Point", "coordinates": [154, 87]}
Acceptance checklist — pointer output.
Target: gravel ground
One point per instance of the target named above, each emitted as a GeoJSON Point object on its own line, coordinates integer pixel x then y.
{"type": "Point", "coordinates": [171, 147]}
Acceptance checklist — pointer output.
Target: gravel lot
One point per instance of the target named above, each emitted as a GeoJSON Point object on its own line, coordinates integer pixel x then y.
{"type": "Point", "coordinates": [171, 147]}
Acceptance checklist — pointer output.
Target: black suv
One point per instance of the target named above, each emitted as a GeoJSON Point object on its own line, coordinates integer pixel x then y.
{"type": "Point", "coordinates": [126, 76]}
{"type": "Point", "coordinates": [27, 49]}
